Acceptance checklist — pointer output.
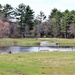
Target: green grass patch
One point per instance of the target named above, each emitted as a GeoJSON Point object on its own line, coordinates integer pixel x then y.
{"type": "Point", "coordinates": [34, 41]}
{"type": "Point", "coordinates": [41, 63]}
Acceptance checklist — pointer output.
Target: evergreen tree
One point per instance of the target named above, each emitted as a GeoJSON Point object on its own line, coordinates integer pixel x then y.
{"type": "Point", "coordinates": [55, 17]}
{"type": "Point", "coordinates": [7, 10]}
{"type": "Point", "coordinates": [26, 17]}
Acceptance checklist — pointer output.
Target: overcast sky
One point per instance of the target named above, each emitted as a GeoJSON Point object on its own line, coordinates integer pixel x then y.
{"type": "Point", "coordinates": [43, 5]}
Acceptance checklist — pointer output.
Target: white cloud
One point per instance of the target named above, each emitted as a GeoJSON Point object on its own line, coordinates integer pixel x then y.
{"type": "Point", "coordinates": [67, 1]}
{"type": "Point", "coordinates": [43, 5]}
{"type": "Point", "coordinates": [58, 6]}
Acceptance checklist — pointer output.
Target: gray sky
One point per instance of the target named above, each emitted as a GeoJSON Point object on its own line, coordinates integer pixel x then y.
{"type": "Point", "coordinates": [43, 5]}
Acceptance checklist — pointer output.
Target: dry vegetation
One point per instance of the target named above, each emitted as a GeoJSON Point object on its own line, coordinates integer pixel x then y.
{"type": "Point", "coordinates": [34, 41]}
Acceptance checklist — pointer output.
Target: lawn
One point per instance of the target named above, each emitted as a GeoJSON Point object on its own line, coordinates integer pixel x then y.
{"type": "Point", "coordinates": [40, 63]}
{"type": "Point", "coordinates": [34, 41]}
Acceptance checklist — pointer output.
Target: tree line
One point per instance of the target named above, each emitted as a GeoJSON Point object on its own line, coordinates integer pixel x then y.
{"type": "Point", "coordinates": [59, 24]}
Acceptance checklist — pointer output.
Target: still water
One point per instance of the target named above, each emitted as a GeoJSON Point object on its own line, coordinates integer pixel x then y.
{"type": "Point", "coordinates": [18, 49]}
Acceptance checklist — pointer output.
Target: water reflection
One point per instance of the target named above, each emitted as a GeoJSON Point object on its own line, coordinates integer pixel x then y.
{"type": "Point", "coordinates": [17, 49]}
{"type": "Point", "coordinates": [4, 49]}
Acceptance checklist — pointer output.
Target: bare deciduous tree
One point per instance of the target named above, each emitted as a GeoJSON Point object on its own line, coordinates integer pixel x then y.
{"type": "Point", "coordinates": [14, 30]}
{"type": "Point", "coordinates": [72, 30]}
{"type": "Point", "coordinates": [4, 29]}
{"type": "Point", "coordinates": [27, 31]}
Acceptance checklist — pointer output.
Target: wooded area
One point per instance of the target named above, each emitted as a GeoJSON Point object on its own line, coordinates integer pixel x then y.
{"type": "Point", "coordinates": [21, 22]}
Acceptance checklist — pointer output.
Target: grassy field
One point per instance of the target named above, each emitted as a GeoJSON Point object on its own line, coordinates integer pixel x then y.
{"type": "Point", "coordinates": [41, 63]}
{"type": "Point", "coordinates": [34, 41]}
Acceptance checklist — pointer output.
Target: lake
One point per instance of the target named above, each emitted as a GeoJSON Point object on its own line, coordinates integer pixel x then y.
{"type": "Point", "coordinates": [18, 49]}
